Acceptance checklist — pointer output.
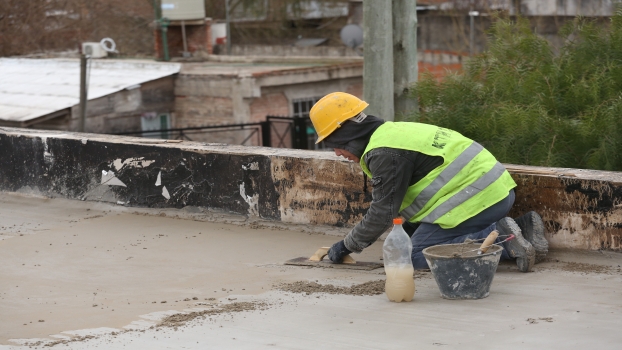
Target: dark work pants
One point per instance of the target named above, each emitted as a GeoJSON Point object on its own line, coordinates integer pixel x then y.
{"type": "Point", "coordinates": [478, 227]}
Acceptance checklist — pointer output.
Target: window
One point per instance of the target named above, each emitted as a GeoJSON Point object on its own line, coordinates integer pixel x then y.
{"type": "Point", "coordinates": [301, 108]}
{"type": "Point", "coordinates": [152, 122]}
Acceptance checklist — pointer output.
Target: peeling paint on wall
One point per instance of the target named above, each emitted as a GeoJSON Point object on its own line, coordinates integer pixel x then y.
{"type": "Point", "coordinates": [132, 162]}
{"type": "Point", "coordinates": [582, 211]}
{"type": "Point", "coordinates": [251, 166]}
{"type": "Point", "coordinates": [319, 191]}
{"type": "Point", "coordinates": [165, 193]}
{"type": "Point", "coordinates": [252, 201]}
{"type": "Point", "coordinates": [577, 212]}
{"type": "Point", "coordinates": [108, 178]}
{"type": "Point", "coordinates": [48, 157]}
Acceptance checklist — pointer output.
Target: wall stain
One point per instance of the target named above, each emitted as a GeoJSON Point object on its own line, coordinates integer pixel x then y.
{"type": "Point", "coordinates": [579, 212]}
{"type": "Point", "coordinates": [330, 194]}
{"type": "Point", "coordinates": [193, 178]}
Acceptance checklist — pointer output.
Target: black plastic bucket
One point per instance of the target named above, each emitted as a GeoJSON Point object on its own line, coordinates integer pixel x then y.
{"type": "Point", "coordinates": [459, 272]}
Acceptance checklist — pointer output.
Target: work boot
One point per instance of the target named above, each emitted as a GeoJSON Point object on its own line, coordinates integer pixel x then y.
{"type": "Point", "coordinates": [532, 227]}
{"type": "Point", "coordinates": [518, 247]}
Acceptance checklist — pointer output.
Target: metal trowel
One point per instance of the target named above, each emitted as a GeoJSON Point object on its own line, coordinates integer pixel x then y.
{"type": "Point", "coordinates": [322, 252]}
{"type": "Point", "coordinates": [317, 260]}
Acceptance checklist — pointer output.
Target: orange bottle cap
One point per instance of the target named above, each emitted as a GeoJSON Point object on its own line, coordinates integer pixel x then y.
{"type": "Point", "coordinates": [398, 221]}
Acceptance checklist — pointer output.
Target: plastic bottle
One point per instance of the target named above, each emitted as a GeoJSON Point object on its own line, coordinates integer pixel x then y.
{"type": "Point", "coordinates": [396, 251]}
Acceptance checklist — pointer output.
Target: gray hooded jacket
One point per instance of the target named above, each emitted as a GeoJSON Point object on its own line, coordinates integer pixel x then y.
{"type": "Point", "coordinates": [393, 171]}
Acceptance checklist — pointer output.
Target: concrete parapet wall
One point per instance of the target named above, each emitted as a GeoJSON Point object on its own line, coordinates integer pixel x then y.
{"type": "Point", "coordinates": [581, 208]}
{"type": "Point", "coordinates": [271, 183]}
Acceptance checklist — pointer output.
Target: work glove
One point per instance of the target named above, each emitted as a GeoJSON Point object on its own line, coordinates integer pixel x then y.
{"type": "Point", "coordinates": [337, 252]}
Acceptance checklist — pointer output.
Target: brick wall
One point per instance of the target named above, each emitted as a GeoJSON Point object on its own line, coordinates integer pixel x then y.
{"type": "Point", "coordinates": [440, 63]}
{"type": "Point", "coordinates": [269, 104]}
{"type": "Point", "coordinates": [198, 40]}
{"type": "Point", "coordinates": [211, 99]}
{"type": "Point", "coordinates": [202, 110]}
{"type": "Point", "coordinates": [355, 89]}
{"type": "Point", "coordinates": [134, 7]}
{"type": "Point", "coordinates": [122, 110]}
{"type": "Point", "coordinates": [276, 103]}
{"type": "Point", "coordinates": [54, 25]}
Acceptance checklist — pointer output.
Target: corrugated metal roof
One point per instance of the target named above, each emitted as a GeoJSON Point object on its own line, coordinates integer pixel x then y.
{"type": "Point", "coordinates": [32, 88]}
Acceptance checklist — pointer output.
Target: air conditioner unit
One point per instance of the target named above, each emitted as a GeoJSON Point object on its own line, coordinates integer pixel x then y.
{"type": "Point", "coordinates": [176, 10]}
{"type": "Point", "coordinates": [95, 50]}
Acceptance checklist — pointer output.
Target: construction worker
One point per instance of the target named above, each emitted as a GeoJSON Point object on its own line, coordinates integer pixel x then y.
{"type": "Point", "coordinates": [446, 186]}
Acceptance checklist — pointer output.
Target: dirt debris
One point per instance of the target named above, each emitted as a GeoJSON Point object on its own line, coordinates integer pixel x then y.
{"type": "Point", "coordinates": [180, 319]}
{"type": "Point", "coordinates": [367, 288]}
{"type": "Point", "coordinates": [58, 342]}
{"type": "Point", "coordinates": [534, 321]}
{"type": "Point", "coordinates": [583, 268]}
{"type": "Point", "coordinates": [257, 226]}
{"type": "Point", "coordinates": [173, 321]}
{"type": "Point", "coordinates": [586, 268]}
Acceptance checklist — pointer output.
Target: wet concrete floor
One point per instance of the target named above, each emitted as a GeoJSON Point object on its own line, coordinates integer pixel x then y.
{"type": "Point", "coordinates": [81, 275]}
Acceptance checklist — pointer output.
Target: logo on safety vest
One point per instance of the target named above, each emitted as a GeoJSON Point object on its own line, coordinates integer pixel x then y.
{"type": "Point", "coordinates": [441, 137]}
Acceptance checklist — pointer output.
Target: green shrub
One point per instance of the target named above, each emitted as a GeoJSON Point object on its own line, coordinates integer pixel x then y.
{"type": "Point", "coordinates": [528, 105]}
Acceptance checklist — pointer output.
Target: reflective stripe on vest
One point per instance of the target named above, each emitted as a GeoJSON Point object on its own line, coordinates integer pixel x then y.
{"type": "Point", "coordinates": [465, 194]}
{"type": "Point", "coordinates": [447, 174]}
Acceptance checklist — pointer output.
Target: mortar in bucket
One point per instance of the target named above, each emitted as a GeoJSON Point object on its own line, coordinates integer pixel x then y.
{"type": "Point", "coordinates": [460, 272]}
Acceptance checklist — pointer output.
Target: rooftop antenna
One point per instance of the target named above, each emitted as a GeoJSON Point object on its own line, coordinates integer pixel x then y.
{"type": "Point", "coordinates": [352, 35]}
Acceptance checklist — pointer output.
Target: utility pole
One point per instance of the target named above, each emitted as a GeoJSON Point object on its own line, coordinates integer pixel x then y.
{"type": "Point", "coordinates": [162, 24]}
{"type": "Point", "coordinates": [228, 26]}
{"type": "Point", "coordinates": [83, 93]}
{"type": "Point", "coordinates": [378, 58]}
{"type": "Point", "coordinates": [405, 66]}
{"type": "Point", "coordinates": [517, 6]}
{"type": "Point", "coordinates": [472, 15]}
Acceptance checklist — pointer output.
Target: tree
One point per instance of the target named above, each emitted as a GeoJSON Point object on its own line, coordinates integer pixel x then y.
{"type": "Point", "coordinates": [528, 105]}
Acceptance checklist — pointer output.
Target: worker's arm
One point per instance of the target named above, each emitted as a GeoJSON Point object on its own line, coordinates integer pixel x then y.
{"type": "Point", "coordinates": [392, 172]}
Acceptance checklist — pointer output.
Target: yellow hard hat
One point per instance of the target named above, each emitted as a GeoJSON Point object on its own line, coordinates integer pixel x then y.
{"type": "Point", "coordinates": [332, 110]}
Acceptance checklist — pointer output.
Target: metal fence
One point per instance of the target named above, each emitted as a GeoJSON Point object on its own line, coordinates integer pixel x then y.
{"type": "Point", "coordinates": [280, 132]}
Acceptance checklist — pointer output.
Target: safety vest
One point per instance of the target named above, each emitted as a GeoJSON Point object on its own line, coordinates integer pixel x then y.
{"type": "Point", "coordinates": [469, 180]}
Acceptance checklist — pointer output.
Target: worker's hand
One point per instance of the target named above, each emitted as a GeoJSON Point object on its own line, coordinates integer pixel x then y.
{"type": "Point", "coordinates": [337, 252]}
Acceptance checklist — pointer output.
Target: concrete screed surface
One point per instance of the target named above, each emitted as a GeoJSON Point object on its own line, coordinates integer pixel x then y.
{"type": "Point", "coordinates": [81, 275]}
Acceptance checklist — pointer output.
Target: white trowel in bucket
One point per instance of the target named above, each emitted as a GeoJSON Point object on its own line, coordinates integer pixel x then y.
{"type": "Point", "coordinates": [488, 242]}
